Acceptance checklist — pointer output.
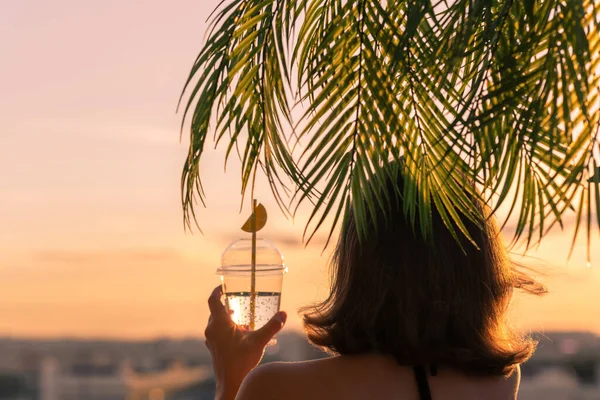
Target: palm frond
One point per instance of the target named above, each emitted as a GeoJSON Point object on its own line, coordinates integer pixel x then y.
{"type": "Point", "coordinates": [496, 99]}
{"type": "Point", "coordinates": [242, 76]}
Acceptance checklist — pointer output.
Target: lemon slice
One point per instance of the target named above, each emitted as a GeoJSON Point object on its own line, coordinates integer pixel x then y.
{"type": "Point", "coordinates": [261, 220]}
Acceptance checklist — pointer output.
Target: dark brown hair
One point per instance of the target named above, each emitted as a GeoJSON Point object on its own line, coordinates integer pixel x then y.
{"type": "Point", "coordinates": [439, 301]}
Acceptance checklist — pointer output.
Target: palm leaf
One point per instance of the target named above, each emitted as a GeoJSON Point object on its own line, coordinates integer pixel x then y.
{"type": "Point", "coordinates": [495, 99]}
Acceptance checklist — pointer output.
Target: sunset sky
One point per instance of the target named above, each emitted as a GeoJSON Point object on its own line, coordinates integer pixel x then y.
{"type": "Point", "coordinates": [91, 236]}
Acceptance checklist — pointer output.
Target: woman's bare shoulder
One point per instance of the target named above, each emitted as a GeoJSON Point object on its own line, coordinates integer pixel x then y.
{"type": "Point", "coordinates": [292, 370]}
{"type": "Point", "coordinates": [281, 379]}
{"type": "Point", "coordinates": [362, 374]}
{"type": "Point", "coordinates": [319, 378]}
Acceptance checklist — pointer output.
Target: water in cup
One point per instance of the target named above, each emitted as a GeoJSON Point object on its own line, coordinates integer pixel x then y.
{"type": "Point", "coordinates": [252, 310]}
{"type": "Point", "coordinates": [267, 305]}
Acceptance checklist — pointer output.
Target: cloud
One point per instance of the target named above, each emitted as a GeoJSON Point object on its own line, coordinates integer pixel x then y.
{"type": "Point", "coordinates": [569, 222]}
{"type": "Point", "coordinates": [106, 255]}
{"type": "Point", "coordinates": [287, 239]}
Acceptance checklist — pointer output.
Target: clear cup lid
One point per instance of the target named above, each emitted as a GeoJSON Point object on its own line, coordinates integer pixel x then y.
{"type": "Point", "coordinates": [237, 257]}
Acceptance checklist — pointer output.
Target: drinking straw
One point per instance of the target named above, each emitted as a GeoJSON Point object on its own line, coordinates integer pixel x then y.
{"type": "Point", "coordinates": [253, 267]}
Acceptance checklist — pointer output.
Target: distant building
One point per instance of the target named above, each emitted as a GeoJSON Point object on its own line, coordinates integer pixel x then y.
{"type": "Point", "coordinates": [160, 385]}
{"type": "Point", "coordinates": [81, 381]}
{"type": "Point", "coordinates": [551, 384]}
{"type": "Point", "coordinates": [14, 387]}
{"type": "Point", "coordinates": [566, 366]}
{"type": "Point", "coordinates": [110, 381]}
{"type": "Point", "coordinates": [201, 391]}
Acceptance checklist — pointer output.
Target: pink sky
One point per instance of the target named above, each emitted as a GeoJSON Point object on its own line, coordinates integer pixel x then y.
{"type": "Point", "coordinates": [91, 234]}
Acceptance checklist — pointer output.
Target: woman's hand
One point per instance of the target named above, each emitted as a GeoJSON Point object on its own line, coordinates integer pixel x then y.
{"type": "Point", "coordinates": [235, 350]}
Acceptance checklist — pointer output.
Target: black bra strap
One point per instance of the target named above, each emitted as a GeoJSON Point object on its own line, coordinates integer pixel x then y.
{"type": "Point", "coordinates": [433, 370]}
{"type": "Point", "coordinates": [422, 384]}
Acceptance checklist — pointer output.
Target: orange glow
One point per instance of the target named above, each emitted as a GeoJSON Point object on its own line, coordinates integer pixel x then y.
{"type": "Point", "coordinates": [91, 235]}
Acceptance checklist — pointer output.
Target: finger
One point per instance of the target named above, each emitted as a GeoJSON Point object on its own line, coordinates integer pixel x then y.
{"type": "Point", "coordinates": [217, 291]}
{"type": "Point", "coordinates": [266, 333]}
{"type": "Point", "coordinates": [208, 328]}
{"type": "Point", "coordinates": [217, 309]}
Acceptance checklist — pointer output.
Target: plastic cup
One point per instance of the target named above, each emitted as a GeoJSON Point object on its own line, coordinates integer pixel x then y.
{"type": "Point", "coordinates": [252, 309]}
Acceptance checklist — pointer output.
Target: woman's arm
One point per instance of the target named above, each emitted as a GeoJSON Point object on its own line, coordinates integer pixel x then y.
{"type": "Point", "coordinates": [235, 351]}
